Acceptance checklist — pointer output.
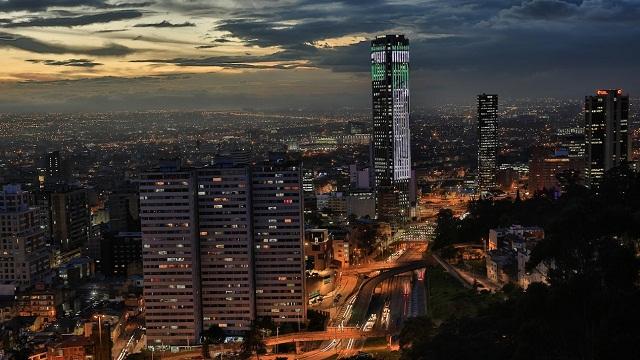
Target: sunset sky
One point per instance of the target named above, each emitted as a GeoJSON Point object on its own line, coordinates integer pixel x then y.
{"type": "Point", "coordinates": [68, 55]}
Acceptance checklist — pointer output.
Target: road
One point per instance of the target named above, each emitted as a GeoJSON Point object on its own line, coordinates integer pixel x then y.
{"type": "Point", "coordinates": [466, 279]}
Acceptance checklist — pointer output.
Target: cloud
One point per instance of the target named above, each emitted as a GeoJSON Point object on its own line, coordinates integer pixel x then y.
{"type": "Point", "coordinates": [36, 46]}
{"type": "Point", "coordinates": [41, 5]}
{"type": "Point", "coordinates": [70, 21]}
{"type": "Point", "coordinates": [458, 47]}
{"type": "Point", "coordinates": [541, 10]}
{"type": "Point", "coordinates": [71, 62]}
{"type": "Point", "coordinates": [166, 24]}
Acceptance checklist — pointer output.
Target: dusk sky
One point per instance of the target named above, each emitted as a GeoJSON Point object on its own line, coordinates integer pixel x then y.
{"type": "Point", "coordinates": [98, 55]}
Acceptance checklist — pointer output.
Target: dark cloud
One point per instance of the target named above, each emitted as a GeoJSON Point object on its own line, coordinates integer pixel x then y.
{"type": "Point", "coordinates": [166, 24]}
{"type": "Point", "coordinates": [458, 47]}
{"type": "Point", "coordinates": [542, 10]}
{"type": "Point", "coordinates": [36, 46]}
{"type": "Point", "coordinates": [71, 62]}
{"type": "Point", "coordinates": [40, 5]}
{"type": "Point", "coordinates": [107, 31]}
{"type": "Point", "coordinates": [69, 21]}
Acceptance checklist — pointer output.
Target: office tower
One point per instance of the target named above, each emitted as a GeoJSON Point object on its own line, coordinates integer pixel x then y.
{"type": "Point", "coordinates": [279, 241]}
{"type": "Point", "coordinates": [24, 257]}
{"type": "Point", "coordinates": [53, 165]}
{"type": "Point", "coordinates": [307, 182]}
{"type": "Point", "coordinates": [123, 208]}
{"type": "Point", "coordinates": [606, 118]}
{"type": "Point", "coordinates": [547, 165]}
{"type": "Point", "coordinates": [487, 141]}
{"type": "Point", "coordinates": [391, 152]}
{"type": "Point", "coordinates": [170, 253]}
{"type": "Point", "coordinates": [70, 220]}
{"type": "Point", "coordinates": [224, 198]}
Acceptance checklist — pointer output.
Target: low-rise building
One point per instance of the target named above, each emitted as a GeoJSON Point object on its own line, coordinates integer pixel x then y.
{"type": "Point", "coordinates": [502, 237]}
{"type": "Point", "coordinates": [509, 250]}
{"type": "Point", "coordinates": [317, 249]}
{"type": "Point", "coordinates": [39, 304]}
{"type": "Point", "coordinates": [340, 249]}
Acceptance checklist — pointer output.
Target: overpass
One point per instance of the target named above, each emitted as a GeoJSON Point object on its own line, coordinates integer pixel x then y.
{"type": "Point", "coordinates": [334, 333]}
{"type": "Point", "coordinates": [329, 334]}
{"type": "Point", "coordinates": [380, 266]}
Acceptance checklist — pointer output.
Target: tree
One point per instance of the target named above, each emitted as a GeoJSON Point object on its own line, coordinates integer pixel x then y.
{"type": "Point", "coordinates": [446, 229]}
{"type": "Point", "coordinates": [213, 335]}
{"type": "Point", "coordinates": [588, 311]}
{"type": "Point", "coordinates": [253, 343]}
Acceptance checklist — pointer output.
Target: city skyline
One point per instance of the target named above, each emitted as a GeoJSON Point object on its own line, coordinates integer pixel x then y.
{"type": "Point", "coordinates": [104, 55]}
{"type": "Point", "coordinates": [312, 179]}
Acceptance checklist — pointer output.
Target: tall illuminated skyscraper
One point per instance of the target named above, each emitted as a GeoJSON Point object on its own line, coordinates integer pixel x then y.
{"type": "Point", "coordinates": [487, 141]}
{"type": "Point", "coordinates": [391, 149]}
{"type": "Point", "coordinates": [606, 118]}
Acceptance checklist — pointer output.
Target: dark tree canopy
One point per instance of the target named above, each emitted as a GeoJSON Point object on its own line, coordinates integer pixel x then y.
{"type": "Point", "coordinates": [590, 309]}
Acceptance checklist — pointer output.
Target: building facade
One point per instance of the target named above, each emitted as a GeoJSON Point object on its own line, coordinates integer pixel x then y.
{"type": "Point", "coordinates": [222, 245]}
{"type": "Point", "coordinates": [24, 257]}
{"type": "Point", "coordinates": [226, 251]}
{"type": "Point", "coordinates": [487, 141]}
{"type": "Point", "coordinates": [606, 133]}
{"type": "Point", "coordinates": [170, 253]}
{"type": "Point", "coordinates": [278, 235]}
{"type": "Point", "coordinates": [70, 219]}
{"type": "Point", "coordinates": [390, 146]}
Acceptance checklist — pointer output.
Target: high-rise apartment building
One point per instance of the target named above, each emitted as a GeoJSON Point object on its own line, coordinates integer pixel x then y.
{"type": "Point", "coordinates": [170, 253]}
{"type": "Point", "coordinates": [279, 242]}
{"type": "Point", "coordinates": [24, 257]}
{"type": "Point", "coordinates": [222, 245]}
{"type": "Point", "coordinates": [487, 141]}
{"type": "Point", "coordinates": [606, 133]}
{"type": "Point", "coordinates": [390, 147]}
{"type": "Point", "coordinates": [224, 213]}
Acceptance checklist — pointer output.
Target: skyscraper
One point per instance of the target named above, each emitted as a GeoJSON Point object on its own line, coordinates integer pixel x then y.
{"type": "Point", "coordinates": [170, 252]}
{"type": "Point", "coordinates": [606, 118]}
{"type": "Point", "coordinates": [391, 150]}
{"type": "Point", "coordinates": [53, 166]}
{"type": "Point", "coordinates": [226, 255]}
{"type": "Point", "coordinates": [279, 242]}
{"type": "Point", "coordinates": [223, 245]}
{"type": "Point", "coordinates": [487, 141]}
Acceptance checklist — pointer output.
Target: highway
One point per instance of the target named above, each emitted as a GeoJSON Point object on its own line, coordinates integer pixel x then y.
{"type": "Point", "coordinates": [399, 291]}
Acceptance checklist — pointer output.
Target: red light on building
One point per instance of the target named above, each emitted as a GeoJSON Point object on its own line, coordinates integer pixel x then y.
{"type": "Point", "coordinates": [602, 92]}
{"type": "Point", "coordinates": [619, 91]}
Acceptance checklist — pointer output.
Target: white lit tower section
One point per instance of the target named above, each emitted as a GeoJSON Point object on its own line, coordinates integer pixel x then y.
{"type": "Point", "coordinates": [391, 149]}
{"type": "Point", "coordinates": [487, 141]}
{"type": "Point", "coordinates": [606, 133]}
{"type": "Point", "coordinates": [170, 253]}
